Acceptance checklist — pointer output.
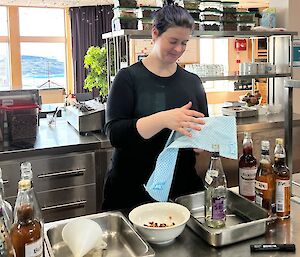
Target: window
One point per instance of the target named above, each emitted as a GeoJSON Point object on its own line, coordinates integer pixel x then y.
{"type": "Point", "coordinates": [215, 51]}
{"type": "Point", "coordinates": [43, 65]}
{"type": "Point", "coordinates": [4, 52]}
{"type": "Point", "coordinates": [43, 56]}
{"type": "Point", "coordinates": [42, 22]}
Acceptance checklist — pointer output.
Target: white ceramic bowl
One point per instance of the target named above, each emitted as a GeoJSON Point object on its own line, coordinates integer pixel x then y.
{"type": "Point", "coordinates": [160, 212]}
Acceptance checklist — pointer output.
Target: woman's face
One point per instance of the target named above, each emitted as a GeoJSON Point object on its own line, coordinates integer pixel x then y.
{"type": "Point", "coordinates": [171, 44]}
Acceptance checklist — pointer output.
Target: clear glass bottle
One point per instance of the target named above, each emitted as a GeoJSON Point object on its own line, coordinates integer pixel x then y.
{"type": "Point", "coordinates": [7, 209]}
{"type": "Point", "coordinates": [247, 169]}
{"type": "Point", "coordinates": [6, 247]}
{"type": "Point", "coordinates": [27, 231]}
{"type": "Point", "coordinates": [26, 174]}
{"type": "Point", "coordinates": [215, 192]}
{"type": "Point", "coordinates": [265, 180]}
{"type": "Point", "coordinates": [282, 181]}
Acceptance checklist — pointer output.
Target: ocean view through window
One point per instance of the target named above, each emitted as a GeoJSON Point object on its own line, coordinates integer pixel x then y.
{"type": "Point", "coordinates": [43, 53]}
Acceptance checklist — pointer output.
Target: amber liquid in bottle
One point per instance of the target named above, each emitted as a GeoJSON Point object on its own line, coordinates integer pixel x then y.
{"type": "Point", "coordinates": [26, 231]}
{"type": "Point", "coordinates": [247, 169]}
{"type": "Point", "coordinates": [282, 180]}
{"type": "Point", "coordinates": [265, 181]}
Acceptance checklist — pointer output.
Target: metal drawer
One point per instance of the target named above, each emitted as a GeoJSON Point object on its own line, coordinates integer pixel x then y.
{"type": "Point", "coordinates": [64, 171]}
{"type": "Point", "coordinates": [10, 176]}
{"type": "Point", "coordinates": [52, 172]}
{"type": "Point", "coordinates": [68, 202]}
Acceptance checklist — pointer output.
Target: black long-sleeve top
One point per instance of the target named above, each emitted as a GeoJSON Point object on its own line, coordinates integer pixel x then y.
{"type": "Point", "coordinates": [136, 92]}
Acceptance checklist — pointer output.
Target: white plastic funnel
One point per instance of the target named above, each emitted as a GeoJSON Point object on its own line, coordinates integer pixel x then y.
{"type": "Point", "coordinates": [82, 235]}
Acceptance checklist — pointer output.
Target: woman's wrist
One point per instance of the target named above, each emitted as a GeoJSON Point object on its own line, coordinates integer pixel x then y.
{"type": "Point", "coordinates": [150, 125]}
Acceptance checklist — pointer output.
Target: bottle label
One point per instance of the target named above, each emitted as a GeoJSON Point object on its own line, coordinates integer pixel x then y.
{"type": "Point", "coordinates": [218, 208]}
{"type": "Point", "coordinates": [34, 249]}
{"type": "Point", "coordinates": [258, 199]}
{"type": "Point", "coordinates": [209, 176]}
{"type": "Point", "coordinates": [282, 189]}
{"type": "Point", "coordinates": [261, 185]}
{"type": "Point", "coordinates": [247, 181]}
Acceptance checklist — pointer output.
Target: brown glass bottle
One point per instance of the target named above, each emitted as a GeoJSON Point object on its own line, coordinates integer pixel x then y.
{"type": "Point", "coordinates": [265, 180]}
{"type": "Point", "coordinates": [282, 181]}
{"type": "Point", "coordinates": [247, 169]}
{"type": "Point", "coordinates": [26, 232]}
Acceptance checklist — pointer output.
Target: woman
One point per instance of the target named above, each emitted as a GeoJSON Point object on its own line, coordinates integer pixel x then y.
{"type": "Point", "coordinates": [148, 100]}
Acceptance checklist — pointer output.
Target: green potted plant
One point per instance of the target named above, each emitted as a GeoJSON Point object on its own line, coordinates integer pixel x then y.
{"type": "Point", "coordinates": [95, 62]}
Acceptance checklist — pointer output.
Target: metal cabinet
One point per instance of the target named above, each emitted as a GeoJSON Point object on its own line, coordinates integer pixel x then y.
{"type": "Point", "coordinates": [65, 184]}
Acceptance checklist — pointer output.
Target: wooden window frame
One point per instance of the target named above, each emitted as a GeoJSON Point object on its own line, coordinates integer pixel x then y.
{"type": "Point", "coordinates": [14, 41]}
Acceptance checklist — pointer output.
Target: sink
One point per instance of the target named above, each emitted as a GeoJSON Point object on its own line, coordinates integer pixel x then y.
{"type": "Point", "coordinates": [121, 238]}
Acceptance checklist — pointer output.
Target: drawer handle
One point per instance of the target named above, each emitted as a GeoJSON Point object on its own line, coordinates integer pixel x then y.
{"type": "Point", "coordinates": [63, 173]}
{"type": "Point", "coordinates": [77, 204]}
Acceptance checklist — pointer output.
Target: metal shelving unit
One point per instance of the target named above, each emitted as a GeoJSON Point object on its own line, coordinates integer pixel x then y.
{"type": "Point", "coordinates": [118, 46]}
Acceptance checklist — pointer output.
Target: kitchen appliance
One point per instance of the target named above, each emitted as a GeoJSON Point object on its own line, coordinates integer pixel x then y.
{"type": "Point", "coordinates": [86, 116]}
{"type": "Point", "coordinates": [19, 114]}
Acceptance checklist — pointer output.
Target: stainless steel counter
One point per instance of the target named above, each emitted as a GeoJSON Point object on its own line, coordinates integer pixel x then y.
{"type": "Point", "coordinates": [262, 122]}
{"type": "Point", "coordinates": [188, 244]}
{"type": "Point", "coordinates": [55, 139]}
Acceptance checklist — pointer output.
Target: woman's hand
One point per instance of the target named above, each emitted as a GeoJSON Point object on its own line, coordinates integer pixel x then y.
{"type": "Point", "coordinates": [181, 119]}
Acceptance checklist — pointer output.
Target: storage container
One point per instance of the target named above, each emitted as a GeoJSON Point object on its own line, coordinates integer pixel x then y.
{"type": "Point", "coordinates": [125, 12]}
{"type": "Point", "coordinates": [245, 26]}
{"type": "Point", "coordinates": [210, 25]}
{"type": "Point", "coordinates": [194, 13]}
{"type": "Point", "coordinates": [229, 16]}
{"type": "Point", "coordinates": [229, 7]}
{"type": "Point", "coordinates": [197, 24]}
{"type": "Point", "coordinates": [245, 16]}
{"type": "Point", "coordinates": [210, 6]}
{"type": "Point", "coordinates": [191, 4]}
{"type": "Point", "coordinates": [229, 26]}
{"type": "Point", "coordinates": [124, 23]}
{"type": "Point", "coordinates": [125, 3]}
{"type": "Point", "coordinates": [22, 121]}
{"type": "Point", "coordinates": [145, 24]}
{"type": "Point", "coordinates": [210, 15]}
{"type": "Point", "coordinates": [147, 11]}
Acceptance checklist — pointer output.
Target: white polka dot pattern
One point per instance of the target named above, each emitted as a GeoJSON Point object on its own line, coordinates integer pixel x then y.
{"type": "Point", "coordinates": [217, 130]}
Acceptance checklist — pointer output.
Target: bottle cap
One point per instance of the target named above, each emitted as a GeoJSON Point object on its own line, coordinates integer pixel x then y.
{"type": "Point", "coordinates": [24, 184]}
{"type": "Point", "coordinates": [26, 171]}
{"type": "Point", "coordinates": [215, 148]}
{"type": "Point", "coordinates": [247, 134]}
{"type": "Point", "coordinates": [279, 141]}
{"type": "Point", "coordinates": [265, 144]}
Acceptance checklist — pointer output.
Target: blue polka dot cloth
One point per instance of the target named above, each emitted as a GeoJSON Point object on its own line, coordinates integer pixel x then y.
{"type": "Point", "coordinates": [219, 130]}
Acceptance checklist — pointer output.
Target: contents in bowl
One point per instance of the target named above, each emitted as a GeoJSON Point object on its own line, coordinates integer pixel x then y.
{"type": "Point", "coordinates": [152, 224]}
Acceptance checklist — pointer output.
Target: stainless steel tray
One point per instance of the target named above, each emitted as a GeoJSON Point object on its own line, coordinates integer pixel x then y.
{"type": "Point", "coordinates": [244, 219]}
{"type": "Point", "coordinates": [121, 238]}
{"type": "Point", "coordinates": [239, 111]}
